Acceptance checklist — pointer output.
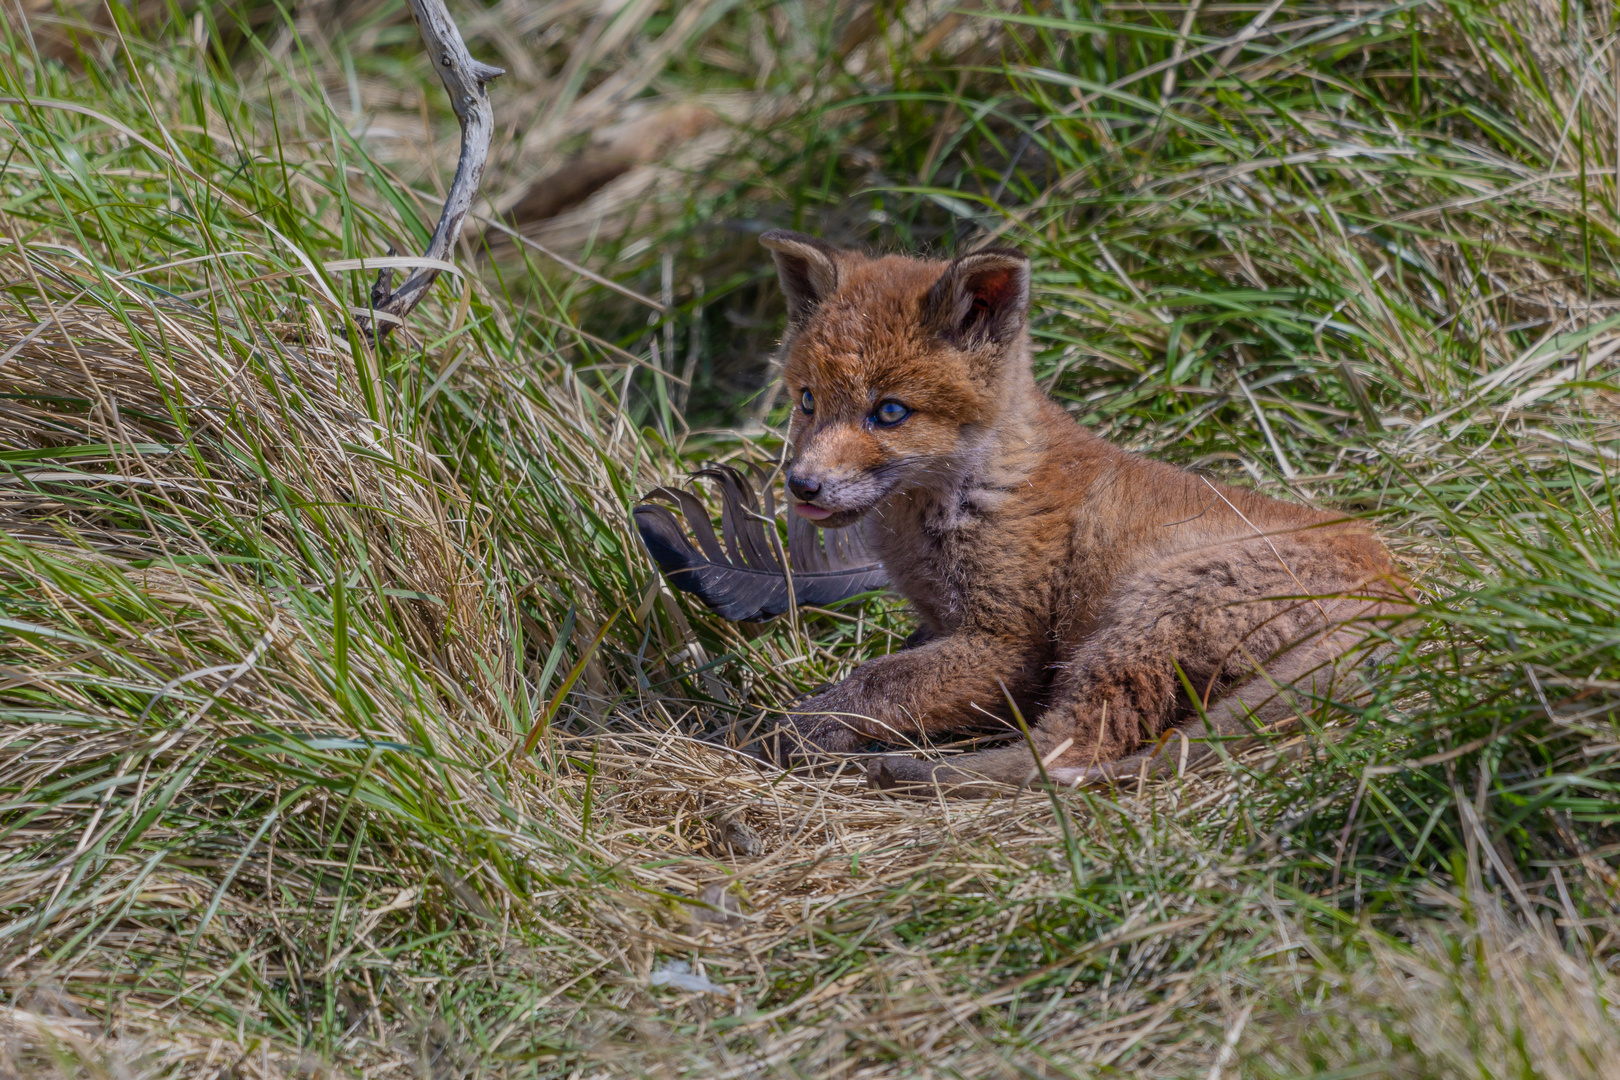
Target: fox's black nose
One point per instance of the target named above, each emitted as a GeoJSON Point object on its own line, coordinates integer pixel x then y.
{"type": "Point", "coordinates": [803, 490]}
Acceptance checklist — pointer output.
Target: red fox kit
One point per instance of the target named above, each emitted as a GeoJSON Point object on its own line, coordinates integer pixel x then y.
{"type": "Point", "coordinates": [1039, 557]}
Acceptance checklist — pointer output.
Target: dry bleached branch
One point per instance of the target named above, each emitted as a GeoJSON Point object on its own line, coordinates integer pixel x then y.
{"type": "Point", "coordinates": [466, 81]}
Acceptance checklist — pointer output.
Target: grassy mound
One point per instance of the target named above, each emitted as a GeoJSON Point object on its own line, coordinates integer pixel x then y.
{"type": "Point", "coordinates": [345, 727]}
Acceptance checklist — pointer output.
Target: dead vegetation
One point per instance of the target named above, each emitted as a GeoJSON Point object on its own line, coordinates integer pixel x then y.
{"type": "Point", "coordinates": [281, 610]}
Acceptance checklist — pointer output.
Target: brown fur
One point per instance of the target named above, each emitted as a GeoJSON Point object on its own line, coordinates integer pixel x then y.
{"type": "Point", "coordinates": [1040, 558]}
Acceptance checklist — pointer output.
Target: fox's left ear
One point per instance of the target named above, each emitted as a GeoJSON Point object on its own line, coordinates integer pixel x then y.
{"type": "Point", "coordinates": [981, 299]}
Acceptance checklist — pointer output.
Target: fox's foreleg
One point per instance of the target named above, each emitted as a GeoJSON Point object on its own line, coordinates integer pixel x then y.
{"type": "Point", "coordinates": [948, 683]}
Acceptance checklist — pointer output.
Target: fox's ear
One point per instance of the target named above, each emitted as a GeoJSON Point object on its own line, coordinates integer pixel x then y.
{"type": "Point", "coordinates": [981, 299]}
{"type": "Point", "coordinates": [806, 268]}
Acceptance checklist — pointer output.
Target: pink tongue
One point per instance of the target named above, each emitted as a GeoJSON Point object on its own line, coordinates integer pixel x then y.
{"type": "Point", "coordinates": [814, 513]}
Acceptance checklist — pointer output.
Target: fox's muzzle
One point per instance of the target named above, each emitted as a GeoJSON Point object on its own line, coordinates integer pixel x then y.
{"type": "Point", "coordinates": [837, 476]}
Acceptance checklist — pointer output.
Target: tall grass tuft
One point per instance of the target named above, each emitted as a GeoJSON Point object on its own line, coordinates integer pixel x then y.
{"type": "Point", "coordinates": [344, 726]}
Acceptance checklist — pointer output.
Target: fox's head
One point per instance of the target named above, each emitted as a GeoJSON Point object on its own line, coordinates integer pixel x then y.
{"type": "Point", "coordinates": [898, 368]}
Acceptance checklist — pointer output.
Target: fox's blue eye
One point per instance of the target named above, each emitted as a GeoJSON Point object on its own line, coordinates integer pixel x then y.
{"type": "Point", "coordinates": [808, 403]}
{"type": "Point", "coordinates": [890, 413]}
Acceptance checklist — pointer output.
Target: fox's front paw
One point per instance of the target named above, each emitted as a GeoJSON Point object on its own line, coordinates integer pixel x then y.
{"type": "Point", "coordinates": [815, 726]}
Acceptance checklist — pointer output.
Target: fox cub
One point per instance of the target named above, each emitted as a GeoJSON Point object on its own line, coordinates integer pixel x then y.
{"type": "Point", "coordinates": [1040, 558]}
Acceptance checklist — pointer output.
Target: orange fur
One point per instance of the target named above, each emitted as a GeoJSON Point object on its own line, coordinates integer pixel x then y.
{"type": "Point", "coordinates": [1039, 557]}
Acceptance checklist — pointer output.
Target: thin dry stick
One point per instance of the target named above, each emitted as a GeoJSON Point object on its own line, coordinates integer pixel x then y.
{"type": "Point", "coordinates": [1265, 428]}
{"type": "Point", "coordinates": [466, 81]}
{"type": "Point", "coordinates": [1254, 27]}
{"type": "Point", "coordinates": [1229, 1044]}
{"type": "Point", "coordinates": [1169, 86]}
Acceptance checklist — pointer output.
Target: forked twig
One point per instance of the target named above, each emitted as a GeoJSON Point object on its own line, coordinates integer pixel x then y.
{"type": "Point", "coordinates": [466, 81]}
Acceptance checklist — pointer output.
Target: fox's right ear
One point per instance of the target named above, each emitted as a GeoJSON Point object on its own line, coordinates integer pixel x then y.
{"type": "Point", "coordinates": [806, 268]}
{"type": "Point", "coordinates": [982, 298]}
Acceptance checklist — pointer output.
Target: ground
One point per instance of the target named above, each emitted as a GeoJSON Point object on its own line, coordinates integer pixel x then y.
{"type": "Point", "coordinates": [346, 729]}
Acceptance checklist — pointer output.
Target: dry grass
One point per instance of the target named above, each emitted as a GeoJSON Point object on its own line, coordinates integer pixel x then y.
{"type": "Point", "coordinates": [1478, 995]}
{"type": "Point", "coordinates": [278, 609]}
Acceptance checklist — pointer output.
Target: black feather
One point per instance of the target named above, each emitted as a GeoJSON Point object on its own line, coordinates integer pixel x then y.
{"type": "Point", "coordinates": [740, 573]}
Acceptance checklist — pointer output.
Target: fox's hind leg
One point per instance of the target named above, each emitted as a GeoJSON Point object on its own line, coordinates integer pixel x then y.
{"type": "Point", "coordinates": [1335, 665]}
{"type": "Point", "coordinates": [1232, 619]}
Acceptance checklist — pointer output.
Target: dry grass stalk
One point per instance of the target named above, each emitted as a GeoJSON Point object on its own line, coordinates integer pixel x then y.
{"type": "Point", "coordinates": [279, 607]}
